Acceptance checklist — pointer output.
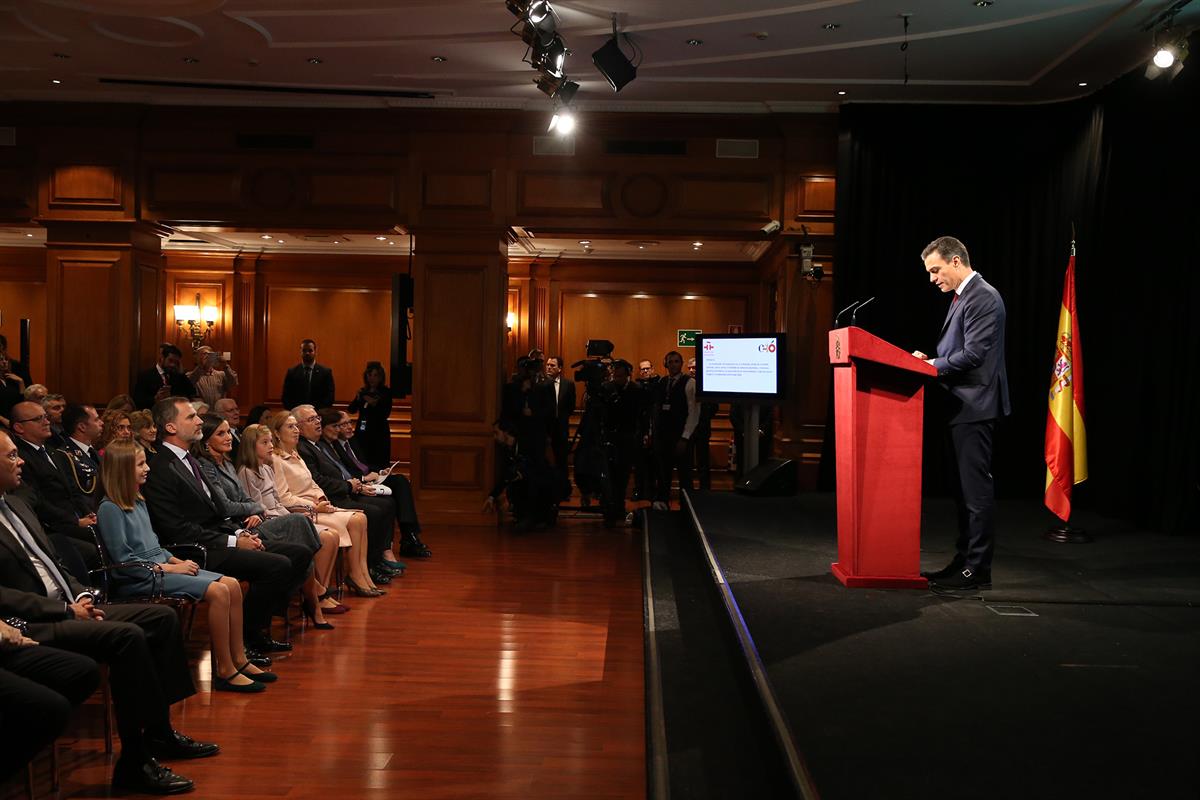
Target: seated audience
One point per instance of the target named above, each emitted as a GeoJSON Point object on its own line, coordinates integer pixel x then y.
{"type": "Point", "coordinates": [55, 404]}
{"type": "Point", "coordinates": [401, 490]}
{"type": "Point", "coordinates": [39, 688]}
{"type": "Point", "coordinates": [121, 402]}
{"type": "Point", "coordinates": [60, 506]}
{"type": "Point", "coordinates": [295, 486]}
{"type": "Point", "coordinates": [128, 536]}
{"type": "Point", "coordinates": [140, 643]}
{"type": "Point", "coordinates": [36, 392]}
{"type": "Point", "coordinates": [116, 426]}
{"type": "Point", "coordinates": [296, 531]}
{"type": "Point", "coordinates": [257, 415]}
{"type": "Point", "coordinates": [184, 507]}
{"type": "Point", "coordinates": [82, 426]}
{"type": "Point", "coordinates": [144, 432]}
{"type": "Point", "coordinates": [227, 408]}
{"type": "Point", "coordinates": [344, 490]}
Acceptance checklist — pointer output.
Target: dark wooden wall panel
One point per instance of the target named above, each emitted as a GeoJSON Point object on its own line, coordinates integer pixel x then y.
{"type": "Point", "coordinates": [19, 300]}
{"type": "Point", "coordinates": [469, 191]}
{"type": "Point", "coordinates": [563, 193]}
{"type": "Point", "coordinates": [449, 303]}
{"type": "Point", "coordinates": [88, 288]}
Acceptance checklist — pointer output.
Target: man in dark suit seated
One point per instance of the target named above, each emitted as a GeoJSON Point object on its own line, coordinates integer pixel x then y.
{"type": "Point", "coordinates": [60, 507]}
{"type": "Point", "coordinates": [83, 427]}
{"type": "Point", "coordinates": [184, 509]}
{"type": "Point", "coordinates": [401, 490]}
{"type": "Point", "coordinates": [308, 383]}
{"type": "Point", "coordinates": [346, 491]}
{"type": "Point", "coordinates": [39, 688]}
{"type": "Point", "coordinates": [970, 365]}
{"type": "Point", "coordinates": [140, 643]}
{"type": "Point", "coordinates": [55, 405]}
{"type": "Point", "coordinates": [164, 379]}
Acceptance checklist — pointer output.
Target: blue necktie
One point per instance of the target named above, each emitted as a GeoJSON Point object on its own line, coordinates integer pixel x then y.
{"type": "Point", "coordinates": [31, 546]}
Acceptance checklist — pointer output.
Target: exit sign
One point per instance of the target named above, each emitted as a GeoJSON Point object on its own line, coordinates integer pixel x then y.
{"type": "Point", "coordinates": [687, 338]}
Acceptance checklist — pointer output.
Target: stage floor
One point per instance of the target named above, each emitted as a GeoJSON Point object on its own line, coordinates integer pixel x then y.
{"type": "Point", "coordinates": [1074, 677]}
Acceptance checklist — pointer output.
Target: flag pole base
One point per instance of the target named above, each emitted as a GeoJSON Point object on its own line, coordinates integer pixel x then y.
{"type": "Point", "coordinates": [1065, 534]}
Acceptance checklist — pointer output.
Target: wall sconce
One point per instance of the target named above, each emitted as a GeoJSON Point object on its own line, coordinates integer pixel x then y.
{"type": "Point", "coordinates": [195, 321]}
{"type": "Point", "coordinates": [511, 321]}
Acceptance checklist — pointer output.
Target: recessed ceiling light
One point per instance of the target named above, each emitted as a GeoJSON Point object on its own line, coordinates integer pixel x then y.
{"type": "Point", "coordinates": [55, 81]}
{"type": "Point", "coordinates": [390, 242]}
{"type": "Point", "coordinates": [381, 238]}
{"type": "Point", "coordinates": [697, 244]}
{"type": "Point", "coordinates": [190, 60]}
{"type": "Point", "coordinates": [1083, 83]}
{"type": "Point", "coordinates": [590, 294]}
{"type": "Point", "coordinates": [335, 241]}
{"type": "Point", "coordinates": [831, 26]}
{"type": "Point", "coordinates": [279, 240]}
{"type": "Point", "coordinates": [61, 55]}
{"type": "Point", "coordinates": [982, 3]}
{"type": "Point", "coordinates": [316, 60]}
{"type": "Point", "coordinates": [265, 236]}
{"type": "Point", "coordinates": [30, 235]}
{"type": "Point", "coordinates": [841, 91]}
{"type": "Point", "coordinates": [689, 297]}
{"type": "Point", "coordinates": [695, 42]}
{"type": "Point", "coordinates": [585, 242]}
{"type": "Point", "coordinates": [438, 59]}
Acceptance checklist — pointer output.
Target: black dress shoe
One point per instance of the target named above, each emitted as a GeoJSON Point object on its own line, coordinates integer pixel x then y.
{"type": "Point", "coordinates": [413, 547]}
{"type": "Point", "coordinates": [178, 745]}
{"type": "Point", "coordinates": [265, 644]}
{"type": "Point", "coordinates": [257, 658]}
{"type": "Point", "coordinates": [953, 568]}
{"type": "Point", "coordinates": [379, 576]}
{"type": "Point", "coordinates": [149, 777]}
{"type": "Point", "coordinates": [965, 580]}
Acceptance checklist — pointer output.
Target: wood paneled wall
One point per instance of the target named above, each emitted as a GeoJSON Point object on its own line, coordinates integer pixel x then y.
{"type": "Point", "coordinates": [23, 296]}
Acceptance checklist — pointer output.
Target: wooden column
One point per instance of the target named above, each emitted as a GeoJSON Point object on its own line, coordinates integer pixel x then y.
{"type": "Point", "coordinates": [104, 306]}
{"type": "Point", "coordinates": [461, 281]}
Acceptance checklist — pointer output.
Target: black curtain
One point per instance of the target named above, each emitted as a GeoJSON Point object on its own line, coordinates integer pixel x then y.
{"type": "Point", "coordinates": [1012, 182]}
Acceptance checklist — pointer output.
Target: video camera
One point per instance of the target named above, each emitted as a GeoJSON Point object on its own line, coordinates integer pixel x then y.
{"type": "Point", "coordinates": [593, 370]}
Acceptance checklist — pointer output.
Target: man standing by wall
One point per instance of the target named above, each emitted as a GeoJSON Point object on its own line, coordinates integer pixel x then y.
{"type": "Point", "coordinates": [970, 365]}
{"type": "Point", "coordinates": [308, 383]}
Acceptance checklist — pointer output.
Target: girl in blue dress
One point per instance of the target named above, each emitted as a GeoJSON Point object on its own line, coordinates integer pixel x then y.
{"type": "Point", "coordinates": [125, 528]}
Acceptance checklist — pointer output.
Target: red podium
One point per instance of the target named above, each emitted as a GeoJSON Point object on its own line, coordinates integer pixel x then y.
{"type": "Point", "coordinates": [879, 394]}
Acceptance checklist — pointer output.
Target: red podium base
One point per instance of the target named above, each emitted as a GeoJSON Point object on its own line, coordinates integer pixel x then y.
{"type": "Point", "coordinates": [876, 581]}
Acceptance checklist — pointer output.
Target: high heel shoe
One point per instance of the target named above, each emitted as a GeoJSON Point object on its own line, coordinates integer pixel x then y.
{"type": "Point", "coordinates": [361, 592]}
{"type": "Point", "coordinates": [309, 609]}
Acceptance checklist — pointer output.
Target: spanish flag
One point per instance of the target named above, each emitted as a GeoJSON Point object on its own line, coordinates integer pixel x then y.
{"type": "Point", "coordinates": [1066, 439]}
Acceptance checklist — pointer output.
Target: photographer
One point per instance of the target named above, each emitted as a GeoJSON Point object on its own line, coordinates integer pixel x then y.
{"type": "Point", "coordinates": [623, 429]}
{"type": "Point", "coordinates": [212, 377]}
{"type": "Point", "coordinates": [373, 404]}
{"type": "Point", "coordinates": [162, 380]}
{"type": "Point", "coordinates": [525, 478]}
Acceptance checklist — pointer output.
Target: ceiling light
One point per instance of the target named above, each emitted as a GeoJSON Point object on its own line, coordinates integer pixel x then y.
{"type": "Point", "coordinates": [316, 60]}
{"type": "Point", "coordinates": [982, 3]}
{"type": "Point", "coordinates": [559, 87]}
{"type": "Point", "coordinates": [690, 297]}
{"type": "Point", "coordinates": [563, 122]}
{"type": "Point", "coordinates": [1164, 58]}
{"type": "Point", "coordinates": [535, 20]}
{"type": "Point", "coordinates": [381, 238]}
{"type": "Point", "coordinates": [640, 296]}
{"type": "Point", "coordinates": [265, 236]}
{"type": "Point", "coordinates": [550, 58]}
{"type": "Point", "coordinates": [190, 60]}
{"type": "Point", "coordinates": [831, 26]}
{"type": "Point", "coordinates": [841, 91]}
{"type": "Point", "coordinates": [616, 68]}
{"type": "Point", "coordinates": [1168, 59]}
{"type": "Point", "coordinates": [585, 242]}
{"type": "Point", "coordinates": [390, 242]}
{"type": "Point", "coordinates": [335, 241]}
{"type": "Point", "coordinates": [590, 294]}
{"type": "Point", "coordinates": [695, 42]}
{"type": "Point", "coordinates": [55, 81]}
{"type": "Point", "coordinates": [279, 240]}
{"type": "Point", "coordinates": [697, 244]}
{"type": "Point", "coordinates": [438, 59]}
{"type": "Point", "coordinates": [30, 235]}
{"type": "Point", "coordinates": [1083, 83]}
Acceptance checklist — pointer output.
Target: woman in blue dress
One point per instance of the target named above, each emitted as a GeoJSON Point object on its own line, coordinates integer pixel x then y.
{"type": "Point", "coordinates": [125, 528]}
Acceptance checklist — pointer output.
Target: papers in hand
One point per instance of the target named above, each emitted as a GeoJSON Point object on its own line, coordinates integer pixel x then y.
{"type": "Point", "coordinates": [383, 473]}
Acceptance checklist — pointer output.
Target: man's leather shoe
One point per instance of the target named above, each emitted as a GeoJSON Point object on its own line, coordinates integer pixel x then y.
{"type": "Point", "coordinates": [257, 658]}
{"type": "Point", "coordinates": [380, 577]}
{"type": "Point", "coordinates": [178, 745]}
{"type": "Point", "coordinates": [415, 549]}
{"type": "Point", "coordinates": [265, 644]}
{"type": "Point", "coordinates": [149, 777]}
{"type": "Point", "coordinates": [965, 580]}
{"type": "Point", "coordinates": [952, 568]}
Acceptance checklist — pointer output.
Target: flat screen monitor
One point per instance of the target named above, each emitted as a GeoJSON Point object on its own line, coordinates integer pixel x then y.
{"type": "Point", "coordinates": [746, 367]}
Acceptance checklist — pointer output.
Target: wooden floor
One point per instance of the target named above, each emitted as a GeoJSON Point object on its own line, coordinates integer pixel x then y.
{"type": "Point", "coordinates": [507, 666]}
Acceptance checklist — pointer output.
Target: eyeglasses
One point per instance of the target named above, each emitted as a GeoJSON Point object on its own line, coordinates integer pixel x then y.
{"type": "Point", "coordinates": [308, 420]}
{"type": "Point", "coordinates": [14, 456]}
{"type": "Point", "coordinates": [41, 418]}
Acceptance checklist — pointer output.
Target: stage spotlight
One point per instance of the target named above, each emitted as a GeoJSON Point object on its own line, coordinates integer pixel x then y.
{"type": "Point", "coordinates": [550, 58]}
{"type": "Point", "coordinates": [561, 88]}
{"type": "Point", "coordinates": [563, 122]}
{"type": "Point", "coordinates": [537, 23]}
{"type": "Point", "coordinates": [1168, 60]}
{"type": "Point", "coordinates": [616, 68]}
{"type": "Point", "coordinates": [1164, 58]}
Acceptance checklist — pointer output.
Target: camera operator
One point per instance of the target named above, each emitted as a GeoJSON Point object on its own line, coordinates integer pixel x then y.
{"type": "Point", "coordinates": [527, 405]}
{"type": "Point", "coordinates": [526, 480]}
{"type": "Point", "coordinates": [675, 416]}
{"type": "Point", "coordinates": [645, 475]}
{"type": "Point", "coordinates": [591, 464]}
{"type": "Point", "coordinates": [623, 429]}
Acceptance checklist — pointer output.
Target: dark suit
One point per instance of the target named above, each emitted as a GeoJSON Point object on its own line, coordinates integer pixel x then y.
{"type": "Point", "coordinates": [182, 512]}
{"type": "Point", "coordinates": [970, 365]}
{"type": "Point", "coordinates": [563, 407]}
{"type": "Point", "coordinates": [82, 468]}
{"type": "Point", "coordinates": [299, 389]}
{"type": "Point", "coordinates": [402, 496]}
{"type": "Point", "coordinates": [326, 472]}
{"type": "Point", "coordinates": [56, 499]}
{"type": "Point", "coordinates": [150, 381]}
{"type": "Point", "coordinates": [39, 687]}
{"type": "Point", "coordinates": [141, 643]}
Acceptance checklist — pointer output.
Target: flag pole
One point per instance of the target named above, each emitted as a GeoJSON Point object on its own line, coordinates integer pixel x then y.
{"type": "Point", "coordinates": [1063, 533]}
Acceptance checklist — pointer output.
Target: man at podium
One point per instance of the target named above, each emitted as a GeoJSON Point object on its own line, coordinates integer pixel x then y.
{"type": "Point", "coordinates": [970, 365]}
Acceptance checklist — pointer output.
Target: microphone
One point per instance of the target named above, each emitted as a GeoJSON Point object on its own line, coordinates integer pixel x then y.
{"type": "Point", "coordinates": [860, 307]}
{"type": "Point", "coordinates": [838, 319]}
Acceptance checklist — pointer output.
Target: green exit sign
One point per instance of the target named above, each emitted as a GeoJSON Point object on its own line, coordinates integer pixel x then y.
{"type": "Point", "coordinates": [687, 338]}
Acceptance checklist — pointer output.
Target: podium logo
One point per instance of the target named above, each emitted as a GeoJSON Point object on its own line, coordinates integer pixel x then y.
{"type": "Point", "coordinates": [769, 347]}
{"type": "Point", "coordinates": [709, 346]}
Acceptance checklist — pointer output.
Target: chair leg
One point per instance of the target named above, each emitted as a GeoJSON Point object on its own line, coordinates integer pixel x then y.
{"type": "Point", "coordinates": [106, 695]}
{"type": "Point", "coordinates": [339, 573]}
{"type": "Point", "coordinates": [54, 782]}
{"type": "Point", "coordinates": [29, 780]}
